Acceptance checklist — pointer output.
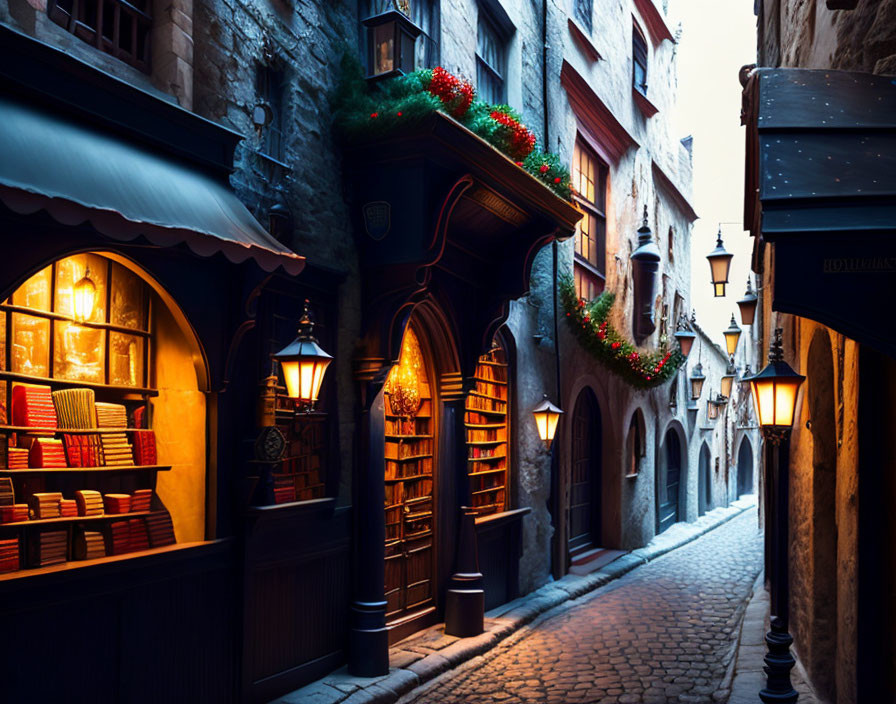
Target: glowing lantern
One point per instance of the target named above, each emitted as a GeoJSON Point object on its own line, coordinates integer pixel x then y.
{"type": "Point", "coordinates": [697, 381]}
{"type": "Point", "coordinates": [547, 415]}
{"type": "Point", "coordinates": [84, 297]}
{"type": "Point", "coordinates": [732, 335]}
{"type": "Point", "coordinates": [728, 380]}
{"type": "Point", "coordinates": [390, 37]}
{"type": "Point", "coordinates": [775, 390]}
{"type": "Point", "coordinates": [719, 263]}
{"type": "Point", "coordinates": [304, 363]}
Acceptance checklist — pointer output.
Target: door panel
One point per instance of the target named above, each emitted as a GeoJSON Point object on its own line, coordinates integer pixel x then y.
{"type": "Point", "coordinates": [583, 518]}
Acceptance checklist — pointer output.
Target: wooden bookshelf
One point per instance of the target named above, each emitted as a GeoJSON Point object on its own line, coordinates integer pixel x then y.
{"type": "Point", "coordinates": [487, 427]}
{"type": "Point", "coordinates": [118, 469]}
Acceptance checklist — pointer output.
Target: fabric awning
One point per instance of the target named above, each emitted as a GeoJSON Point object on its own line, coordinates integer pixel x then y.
{"type": "Point", "coordinates": [77, 173]}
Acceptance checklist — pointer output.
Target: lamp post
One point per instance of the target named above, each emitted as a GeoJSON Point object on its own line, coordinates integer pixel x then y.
{"type": "Point", "coordinates": [304, 363]}
{"type": "Point", "coordinates": [747, 304]}
{"type": "Point", "coordinates": [719, 263]}
{"type": "Point", "coordinates": [547, 415]}
{"type": "Point", "coordinates": [775, 391]}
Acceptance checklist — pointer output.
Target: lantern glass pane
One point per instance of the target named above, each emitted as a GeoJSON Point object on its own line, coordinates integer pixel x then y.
{"type": "Point", "coordinates": [726, 385]}
{"type": "Point", "coordinates": [407, 52]}
{"type": "Point", "coordinates": [686, 344]}
{"type": "Point", "coordinates": [785, 402]}
{"type": "Point", "coordinates": [719, 290]}
{"type": "Point", "coordinates": [747, 312]}
{"type": "Point", "coordinates": [696, 388]}
{"type": "Point", "coordinates": [552, 425]}
{"type": "Point", "coordinates": [731, 340]}
{"type": "Point", "coordinates": [719, 268]}
{"type": "Point", "coordinates": [319, 371]}
{"type": "Point", "coordinates": [383, 48]}
{"type": "Point", "coordinates": [764, 398]}
{"type": "Point", "coordinates": [291, 377]}
{"type": "Point", "coordinates": [541, 422]}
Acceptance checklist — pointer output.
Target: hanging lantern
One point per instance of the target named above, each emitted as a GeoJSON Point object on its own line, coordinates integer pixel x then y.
{"type": "Point", "coordinates": [732, 335]}
{"type": "Point", "coordinates": [547, 415]}
{"type": "Point", "coordinates": [719, 263]}
{"type": "Point", "coordinates": [712, 409]}
{"type": "Point", "coordinates": [728, 379]}
{"type": "Point", "coordinates": [684, 335]}
{"type": "Point", "coordinates": [697, 379]}
{"type": "Point", "coordinates": [645, 265]}
{"type": "Point", "coordinates": [304, 363]}
{"type": "Point", "coordinates": [390, 39]}
{"type": "Point", "coordinates": [403, 384]}
{"type": "Point", "coordinates": [775, 390]}
{"type": "Point", "coordinates": [747, 305]}
{"type": "Point", "coordinates": [84, 297]}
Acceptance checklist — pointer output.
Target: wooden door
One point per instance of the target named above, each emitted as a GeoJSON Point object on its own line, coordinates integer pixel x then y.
{"type": "Point", "coordinates": [704, 482]}
{"type": "Point", "coordinates": [583, 515]}
{"type": "Point", "coordinates": [745, 469]}
{"type": "Point", "coordinates": [671, 483]}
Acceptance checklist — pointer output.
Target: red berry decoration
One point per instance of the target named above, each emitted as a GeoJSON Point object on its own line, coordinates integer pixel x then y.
{"type": "Point", "coordinates": [558, 180]}
{"type": "Point", "coordinates": [544, 168]}
{"type": "Point", "coordinates": [456, 94]}
{"type": "Point", "coordinates": [374, 114]}
{"type": "Point", "coordinates": [399, 113]}
{"type": "Point", "coordinates": [514, 138]}
{"type": "Point", "coordinates": [615, 345]}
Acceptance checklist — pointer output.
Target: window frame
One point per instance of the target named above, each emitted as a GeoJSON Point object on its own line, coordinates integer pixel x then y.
{"type": "Point", "coordinates": [639, 50]}
{"type": "Point", "coordinates": [497, 74]}
{"type": "Point", "coordinates": [584, 267]}
{"type": "Point", "coordinates": [583, 13]}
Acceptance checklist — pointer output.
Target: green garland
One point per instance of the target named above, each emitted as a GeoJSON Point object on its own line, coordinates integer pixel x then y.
{"type": "Point", "coordinates": [362, 110]}
{"type": "Point", "coordinates": [588, 322]}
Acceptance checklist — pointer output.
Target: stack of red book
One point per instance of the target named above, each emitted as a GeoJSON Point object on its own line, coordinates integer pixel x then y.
{"type": "Point", "coordinates": [83, 450]}
{"type": "Point", "coordinates": [68, 508]}
{"type": "Point", "coordinates": [139, 538]}
{"type": "Point", "coordinates": [47, 453]}
{"type": "Point", "coordinates": [17, 458]}
{"type": "Point", "coordinates": [46, 504]}
{"type": "Point", "coordinates": [120, 532]}
{"type": "Point", "coordinates": [110, 415]}
{"type": "Point", "coordinates": [161, 530]}
{"type": "Point", "coordinates": [9, 555]}
{"type": "Point", "coordinates": [284, 490]}
{"type": "Point", "coordinates": [145, 447]}
{"type": "Point", "coordinates": [117, 450]}
{"type": "Point", "coordinates": [117, 503]}
{"type": "Point", "coordinates": [89, 544]}
{"type": "Point", "coordinates": [14, 514]}
{"type": "Point", "coordinates": [51, 548]}
{"type": "Point", "coordinates": [32, 406]}
{"type": "Point", "coordinates": [90, 502]}
{"type": "Point", "coordinates": [141, 500]}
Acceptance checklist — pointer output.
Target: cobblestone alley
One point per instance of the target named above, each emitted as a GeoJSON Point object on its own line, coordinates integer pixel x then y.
{"type": "Point", "coordinates": [665, 632]}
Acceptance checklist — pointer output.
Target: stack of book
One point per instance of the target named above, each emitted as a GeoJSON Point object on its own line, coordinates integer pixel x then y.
{"type": "Point", "coordinates": [89, 544]}
{"type": "Point", "coordinates": [14, 514]}
{"type": "Point", "coordinates": [9, 555]}
{"type": "Point", "coordinates": [47, 453]}
{"type": "Point", "coordinates": [83, 450]}
{"type": "Point", "coordinates": [139, 538]}
{"type": "Point", "coordinates": [161, 530]}
{"type": "Point", "coordinates": [17, 458]}
{"type": "Point", "coordinates": [284, 489]}
{"type": "Point", "coordinates": [50, 548]}
{"type": "Point", "coordinates": [117, 503]}
{"type": "Point", "coordinates": [117, 450]}
{"type": "Point", "coordinates": [45, 504]}
{"type": "Point", "coordinates": [111, 415]}
{"type": "Point", "coordinates": [7, 493]}
{"type": "Point", "coordinates": [32, 406]}
{"type": "Point", "coordinates": [141, 500]}
{"type": "Point", "coordinates": [68, 508]}
{"type": "Point", "coordinates": [120, 532]}
{"type": "Point", "coordinates": [145, 447]}
{"type": "Point", "coordinates": [75, 408]}
{"type": "Point", "coordinates": [90, 502]}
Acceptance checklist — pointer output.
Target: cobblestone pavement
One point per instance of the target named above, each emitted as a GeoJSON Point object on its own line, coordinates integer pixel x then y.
{"type": "Point", "coordinates": [665, 632]}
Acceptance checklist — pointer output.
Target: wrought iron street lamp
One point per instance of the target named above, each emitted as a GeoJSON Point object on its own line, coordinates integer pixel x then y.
{"type": "Point", "coordinates": [304, 363]}
{"type": "Point", "coordinates": [775, 391]}
{"type": "Point", "coordinates": [747, 305]}
{"type": "Point", "coordinates": [684, 335]}
{"type": "Point", "coordinates": [719, 263]}
{"type": "Point", "coordinates": [697, 380]}
{"type": "Point", "coordinates": [547, 415]}
{"type": "Point", "coordinates": [645, 267]}
{"type": "Point", "coordinates": [390, 39]}
{"type": "Point", "coordinates": [732, 335]}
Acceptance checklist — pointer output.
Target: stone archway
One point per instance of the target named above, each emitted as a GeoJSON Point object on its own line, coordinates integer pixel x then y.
{"type": "Point", "coordinates": [671, 480]}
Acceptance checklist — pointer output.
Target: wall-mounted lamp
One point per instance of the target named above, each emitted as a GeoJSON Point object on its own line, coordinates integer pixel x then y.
{"type": "Point", "coordinates": [697, 380]}
{"type": "Point", "coordinates": [728, 379]}
{"type": "Point", "coordinates": [390, 37]}
{"type": "Point", "coordinates": [304, 363]}
{"type": "Point", "coordinates": [684, 335]}
{"type": "Point", "coordinates": [747, 304]}
{"type": "Point", "coordinates": [547, 415]}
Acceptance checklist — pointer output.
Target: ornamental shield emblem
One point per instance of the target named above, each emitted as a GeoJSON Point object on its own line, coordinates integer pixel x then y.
{"type": "Point", "coordinates": [377, 219]}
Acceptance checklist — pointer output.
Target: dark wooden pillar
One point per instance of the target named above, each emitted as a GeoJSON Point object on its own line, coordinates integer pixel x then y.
{"type": "Point", "coordinates": [368, 648]}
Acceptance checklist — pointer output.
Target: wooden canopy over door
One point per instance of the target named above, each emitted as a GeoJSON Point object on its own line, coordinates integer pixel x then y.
{"type": "Point", "coordinates": [583, 515]}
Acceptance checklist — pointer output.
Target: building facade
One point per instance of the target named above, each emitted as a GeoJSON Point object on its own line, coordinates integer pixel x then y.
{"type": "Point", "coordinates": [832, 64]}
{"type": "Point", "coordinates": [434, 268]}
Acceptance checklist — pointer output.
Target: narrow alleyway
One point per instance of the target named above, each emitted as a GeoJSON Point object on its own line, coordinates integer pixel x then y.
{"type": "Point", "coordinates": [665, 632]}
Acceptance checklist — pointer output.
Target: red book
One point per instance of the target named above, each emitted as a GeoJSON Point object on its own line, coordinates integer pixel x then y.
{"type": "Point", "coordinates": [32, 406]}
{"type": "Point", "coordinates": [68, 508]}
{"type": "Point", "coordinates": [138, 535]}
{"type": "Point", "coordinates": [145, 447]}
{"type": "Point", "coordinates": [117, 503]}
{"type": "Point", "coordinates": [120, 537]}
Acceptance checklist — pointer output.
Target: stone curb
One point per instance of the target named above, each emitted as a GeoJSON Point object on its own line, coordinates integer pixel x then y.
{"type": "Point", "coordinates": [342, 688]}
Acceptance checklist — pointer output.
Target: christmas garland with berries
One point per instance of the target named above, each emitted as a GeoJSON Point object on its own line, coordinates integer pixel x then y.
{"type": "Point", "coordinates": [588, 322]}
{"type": "Point", "coordinates": [361, 109]}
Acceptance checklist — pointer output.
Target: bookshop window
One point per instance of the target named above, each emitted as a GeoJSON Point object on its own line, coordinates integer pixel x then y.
{"type": "Point", "coordinates": [589, 179]}
{"type": "Point", "coordinates": [118, 27]}
{"type": "Point", "coordinates": [487, 420]}
{"type": "Point", "coordinates": [424, 14]}
{"type": "Point", "coordinates": [97, 379]}
{"type": "Point", "coordinates": [639, 60]}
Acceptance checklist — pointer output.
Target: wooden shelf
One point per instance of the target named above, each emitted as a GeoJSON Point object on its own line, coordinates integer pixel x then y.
{"type": "Point", "coordinates": [490, 381]}
{"type": "Point", "coordinates": [116, 469]}
{"type": "Point", "coordinates": [407, 437]}
{"type": "Point", "coordinates": [500, 487]}
{"type": "Point", "coordinates": [487, 471]}
{"type": "Point", "coordinates": [484, 426]}
{"type": "Point", "coordinates": [27, 429]}
{"type": "Point", "coordinates": [35, 313]}
{"type": "Point", "coordinates": [486, 411]}
{"type": "Point", "coordinates": [492, 364]}
{"type": "Point", "coordinates": [490, 398]}
{"type": "Point", "coordinates": [410, 457]}
{"type": "Point", "coordinates": [66, 383]}
{"type": "Point", "coordinates": [75, 519]}
{"type": "Point", "coordinates": [485, 442]}
{"type": "Point", "coordinates": [486, 459]}
{"type": "Point", "coordinates": [412, 478]}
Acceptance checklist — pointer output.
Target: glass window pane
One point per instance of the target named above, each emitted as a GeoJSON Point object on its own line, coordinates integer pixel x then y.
{"type": "Point", "coordinates": [30, 345]}
{"type": "Point", "coordinates": [125, 359]}
{"type": "Point", "coordinates": [35, 292]}
{"type": "Point", "coordinates": [70, 271]}
{"type": "Point", "coordinates": [383, 49]}
{"type": "Point", "coordinates": [79, 353]}
{"type": "Point", "coordinates": [128, 302]}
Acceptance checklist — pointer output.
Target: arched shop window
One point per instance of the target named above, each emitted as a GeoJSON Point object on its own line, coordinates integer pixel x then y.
{"type": "Point", "coordinates": [488, 426]}
{"type": "Point", "coordinates": [102, 423]}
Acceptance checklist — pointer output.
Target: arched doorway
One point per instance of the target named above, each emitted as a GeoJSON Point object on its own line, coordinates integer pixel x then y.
{"type": "Point", "coordinates": [745, 468]}
{"type": "Point", "coordinates": [583, 517]}
{"type": "Point", "coordinates": [668, 487]}
{"type": "Point", "coordinates": [704, 482]}
{"type": "Point", "coordinates": [823, 624]}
